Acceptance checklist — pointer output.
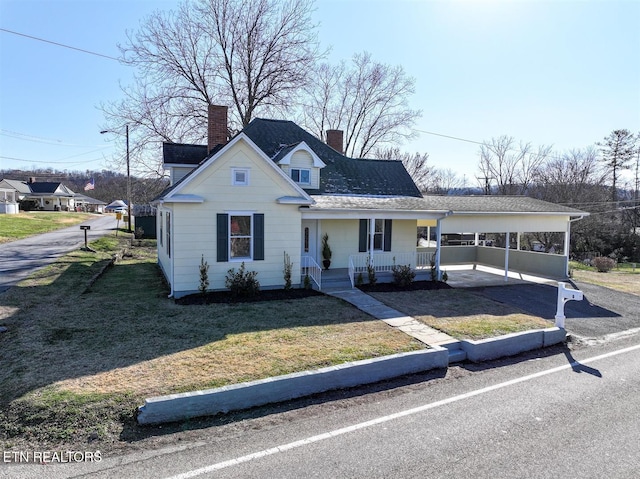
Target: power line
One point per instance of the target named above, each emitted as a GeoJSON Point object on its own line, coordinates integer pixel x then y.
{"type": "Point", "coordinates": [50, 162]}
{"type": "Point", "coordinates": [60, 44]}
{"type": "Point", "coordinates": [38, 139]}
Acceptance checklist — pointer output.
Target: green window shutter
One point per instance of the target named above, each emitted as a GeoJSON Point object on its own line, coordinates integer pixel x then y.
{"type": "Point", "coordinates": [362, 236]}
{"type": "Point", "coordinates": [222, 240]}
{"type": "Point", "coordinates": [387, 235]}
{"type": "Point", "coordinates": [258, 236]}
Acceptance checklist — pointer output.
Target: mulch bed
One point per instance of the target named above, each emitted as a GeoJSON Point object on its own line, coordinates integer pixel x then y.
{"type": "Point", "coordinates": [212, 297]}
{"type": "Point", "coordinates": [392, 288]}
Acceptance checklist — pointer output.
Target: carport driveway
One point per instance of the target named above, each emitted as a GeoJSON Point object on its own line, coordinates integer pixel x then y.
{"type": "Point", "coordinates": [602, 311]}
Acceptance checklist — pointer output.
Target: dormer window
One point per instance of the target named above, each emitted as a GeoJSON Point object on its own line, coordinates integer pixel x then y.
{"type": "Point", "coordinates": [301, 175]}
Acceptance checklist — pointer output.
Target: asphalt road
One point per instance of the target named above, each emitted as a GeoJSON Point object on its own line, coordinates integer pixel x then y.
{"type": "Point", "coordinates": [550, 414]}
{"type": "Point", "coordinates": [21, 258]}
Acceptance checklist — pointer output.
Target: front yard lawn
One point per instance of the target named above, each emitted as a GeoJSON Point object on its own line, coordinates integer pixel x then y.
{"type": "Point", "coordinates": [78, 360]}
{"type": "Point", "coordinates": [461, 314]}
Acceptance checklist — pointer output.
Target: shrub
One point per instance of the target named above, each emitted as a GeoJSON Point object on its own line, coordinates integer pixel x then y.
{"type": "Point", "coordinates": [359, 279]}
{"type": "Point", "coordinates": [603, 264]}
{"type": "Point", "coordinates": [242, 283]}
{"type": "Point", "coordinates": [434, 271]}
{"type": "Point", "coordinates": [371, 272]}
{"type": "Point", "coordinates": [287, 272]}
{"type": "Point", "coordinates": [204, 276]}
{"type": "Point", "coordinates": [307, 281]}
{"type": "Point", "coordinates": [138, 233]}
{"type": "Point", "coordinates": [445, 276]}
{"type": "Point", "coordinates": [403, 275]}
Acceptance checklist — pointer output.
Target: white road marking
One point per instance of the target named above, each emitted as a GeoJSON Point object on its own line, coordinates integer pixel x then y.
{"type": "Point", "coordinates": [390, 417]}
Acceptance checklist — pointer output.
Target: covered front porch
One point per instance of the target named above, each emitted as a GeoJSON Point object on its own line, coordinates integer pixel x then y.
{"type": "Point", "coordinates": [459, 276]}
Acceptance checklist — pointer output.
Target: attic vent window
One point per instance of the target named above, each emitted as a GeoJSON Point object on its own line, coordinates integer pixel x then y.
{"type": "Point", "coordinates": [240, 176]}
{"type": "Point", "coordinates": [300, 175]}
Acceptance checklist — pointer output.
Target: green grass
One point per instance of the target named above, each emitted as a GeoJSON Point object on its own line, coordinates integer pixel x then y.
{"type": "Point", "coordinates": [22, 225]}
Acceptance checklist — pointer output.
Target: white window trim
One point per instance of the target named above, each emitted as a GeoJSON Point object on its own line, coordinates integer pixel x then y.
{"type": "Point", "coordinates": [246, 259]}
{"type": "Point", "coordinates": [381, 233]}
{"type": "Point", "coordinates": [234, 181]}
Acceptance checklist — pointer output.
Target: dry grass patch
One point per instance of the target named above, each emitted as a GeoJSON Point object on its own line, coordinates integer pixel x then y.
{"type": "Point", "coordinates": [625, 281]}
{"type": "Point", "coordinates": [124, 336]}
{"type": "Point", "coordinates": [22, 225]}
{"type": "Point", "coordinates": [462, 314]}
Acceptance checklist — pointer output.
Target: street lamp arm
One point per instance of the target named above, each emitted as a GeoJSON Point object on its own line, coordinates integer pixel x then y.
{"type": "Point", "coordinates": [128, 177]}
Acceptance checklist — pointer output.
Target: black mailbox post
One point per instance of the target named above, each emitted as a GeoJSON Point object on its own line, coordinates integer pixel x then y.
{"type": "Point", "coordinates": [85, 228]}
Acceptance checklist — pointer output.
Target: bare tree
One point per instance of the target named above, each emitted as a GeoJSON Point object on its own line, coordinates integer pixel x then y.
{"type": "Point", "coordinates": [416, 164]}
{"type": "Point", "coordinates": [253, 56]}
{"type": "Point", "coordinates": [513, 167]}
{"type": "Point", "coordinates": [617, 151]}
{"type": "Point", "coordinates": [444, 181]}
{"type": "Point", "coordinates": [368, 100]}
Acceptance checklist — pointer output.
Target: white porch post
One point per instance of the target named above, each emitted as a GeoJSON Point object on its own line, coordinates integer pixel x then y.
{"type": "Point", "coordinates": [567, 239]}
{"type": "Point", "coordinates": [476, 239]}
{"type": "Point", "coordinates": [518, 241]}
{"type": "Point", "coordinates": [438, 239]}
{"type": "Point", "coordinates": [506, 258]}
{"type": "Point", "coordinates": [372, 232]}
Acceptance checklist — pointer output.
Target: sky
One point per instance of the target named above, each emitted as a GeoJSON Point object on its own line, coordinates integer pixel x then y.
{"type": "Point", "coordinates": [561, 73]}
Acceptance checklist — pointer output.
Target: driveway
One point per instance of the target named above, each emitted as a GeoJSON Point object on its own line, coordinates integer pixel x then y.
{"type": "Point", "coordinates": [21, 258]}
{"type": "Point", "coordinates": [602, 311]}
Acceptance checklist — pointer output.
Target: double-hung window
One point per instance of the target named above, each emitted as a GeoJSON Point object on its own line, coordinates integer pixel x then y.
{"type": "Point", "coordinates": [240, 238]}
{"type": "Point", "coordinates": [381, 235]}
{"type": "Point", "coordinates": [301, 175]}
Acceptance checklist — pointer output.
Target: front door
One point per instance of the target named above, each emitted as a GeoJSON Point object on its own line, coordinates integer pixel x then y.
{"type": "Point", "coordinates": [309, 238]}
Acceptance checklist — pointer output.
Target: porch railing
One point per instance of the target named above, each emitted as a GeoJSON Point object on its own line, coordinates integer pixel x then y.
{"type": "Point", "coordinates": [309, 267]}
{"type": "Point", "coordinates": [383, 262]}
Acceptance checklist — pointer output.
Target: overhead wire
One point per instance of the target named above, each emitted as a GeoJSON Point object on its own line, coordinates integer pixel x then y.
{"type": "Point", "coordinates": [60, 44]}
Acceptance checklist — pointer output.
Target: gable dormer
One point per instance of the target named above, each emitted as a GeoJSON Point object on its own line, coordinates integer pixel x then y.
{"type": "Point", "coordinates": [301, 164]}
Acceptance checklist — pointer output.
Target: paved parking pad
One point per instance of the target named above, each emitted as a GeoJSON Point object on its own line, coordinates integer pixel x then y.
{"type": "Point", "coordinates": [602, 311]}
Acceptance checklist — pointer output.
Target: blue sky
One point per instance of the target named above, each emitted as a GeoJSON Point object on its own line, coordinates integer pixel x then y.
{"type": "Point", "coordinates": [564, 73]}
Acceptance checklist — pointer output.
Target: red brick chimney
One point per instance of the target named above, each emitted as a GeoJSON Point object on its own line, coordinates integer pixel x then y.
{"type": "Point", "coordinates": [217, 126]}
{"type": "Point", "coordinates": [335, 140]}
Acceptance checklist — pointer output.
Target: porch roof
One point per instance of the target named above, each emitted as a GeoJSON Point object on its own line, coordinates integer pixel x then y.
{"type": "Point", "coordinates": [435, 206]}
{"type": "Point", "coordinates": [347, 206]}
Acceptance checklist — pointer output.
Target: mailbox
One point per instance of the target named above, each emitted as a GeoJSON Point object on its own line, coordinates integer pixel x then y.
{"type": "Point", "coordinates": [565, 294]}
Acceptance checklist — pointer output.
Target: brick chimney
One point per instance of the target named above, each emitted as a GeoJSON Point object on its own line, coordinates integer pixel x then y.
{"type": "Point", "coordinates": [217, 131]}
{"type": "Point", "coordinates": [335, 140]}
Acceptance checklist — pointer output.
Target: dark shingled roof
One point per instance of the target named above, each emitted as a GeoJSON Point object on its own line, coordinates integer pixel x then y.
{"type": "Point", "coordinates": [183, 154]}
{"type": "Point", "coordinates": [342, 175]}
{"type": "Point", "coordinates": [44, 187]}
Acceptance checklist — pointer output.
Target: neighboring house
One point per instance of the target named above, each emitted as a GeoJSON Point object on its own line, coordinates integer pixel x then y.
{"type": "Point", "coordinates": [40, 195]}
{"type": "Point", "coordinates": [88, 204]}
{"type": "Point", "coordinates": [11, 192]}
{"type": "Point", "coordinates": [274, 188]}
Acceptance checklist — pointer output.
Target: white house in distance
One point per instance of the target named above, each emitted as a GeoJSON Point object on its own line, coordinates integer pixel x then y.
{"type": "Point", "coordinates": [274, 188]}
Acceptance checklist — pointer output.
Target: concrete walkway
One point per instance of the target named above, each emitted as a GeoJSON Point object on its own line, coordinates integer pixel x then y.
{"type": "Point", "coordinates": [396, 319]}
{"type": "Point", "coordinates": [463, 276]}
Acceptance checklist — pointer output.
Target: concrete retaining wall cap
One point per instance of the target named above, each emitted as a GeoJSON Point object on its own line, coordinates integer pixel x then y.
{"type": "Point", "coordinates": [176, 407]}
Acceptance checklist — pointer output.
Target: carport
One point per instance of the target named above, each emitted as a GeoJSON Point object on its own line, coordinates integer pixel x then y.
{"type": "Point", "coordinates": [473, 217]}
